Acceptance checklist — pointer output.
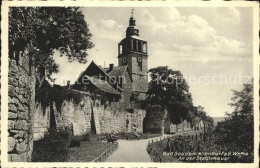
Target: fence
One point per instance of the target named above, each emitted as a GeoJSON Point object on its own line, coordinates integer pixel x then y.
{"type": "Point", "coordinates": [105, 154]}
{"type": "Point", "coordinates": [155, 155]}
{"type": "Point", "coordinates": [159, 139]}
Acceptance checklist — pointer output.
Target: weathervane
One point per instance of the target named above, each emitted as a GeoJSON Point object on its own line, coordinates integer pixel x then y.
{"type": "Point", "coordinates": [132, 13]}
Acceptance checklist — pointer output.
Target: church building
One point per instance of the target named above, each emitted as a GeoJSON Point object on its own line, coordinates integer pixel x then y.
{"type": "Point", "coordinates": [126, 83]}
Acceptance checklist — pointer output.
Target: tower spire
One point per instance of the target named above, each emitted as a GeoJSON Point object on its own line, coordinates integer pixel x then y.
{"type": "Point", "coordinates": [132, 13]}
{"type": "Point", "coordinates": [132, 29]}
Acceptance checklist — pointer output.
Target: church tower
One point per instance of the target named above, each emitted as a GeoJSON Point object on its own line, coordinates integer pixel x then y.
{"type": "Point", "coordinates": [132, 51]}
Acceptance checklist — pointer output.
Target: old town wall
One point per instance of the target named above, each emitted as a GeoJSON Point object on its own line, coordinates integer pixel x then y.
{"type": "Point", "coordinates": [77, 118]}
{"type": "Point", "coordinates": [20, 109]}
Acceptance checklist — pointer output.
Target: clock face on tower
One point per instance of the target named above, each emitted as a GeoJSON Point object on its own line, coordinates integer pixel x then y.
{"type": "Point", "coordinates": [139, 59]}
{"type": "Point", "coordinates": [124, 60]}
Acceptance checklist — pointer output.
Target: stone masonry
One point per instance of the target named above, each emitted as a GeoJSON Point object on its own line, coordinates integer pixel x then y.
{"type": "Point", "coordinates": [19, 110]}
{"type": "Point", "coordinates": [27, 121]}
{"type": "Point", "coordinates": [156, 121]}
{"type": "Point", "coordinates": [78, 117]}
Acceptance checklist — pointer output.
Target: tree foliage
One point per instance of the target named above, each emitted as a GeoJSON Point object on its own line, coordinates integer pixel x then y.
{"type": "Point", "coordinates": [237, 131]}
{"type": "Point", "coordinates": [170, 90]}
{"type": "Point", "coordinates": [202, 114]}
{"type": "Point", "coordinates": [47, 29]}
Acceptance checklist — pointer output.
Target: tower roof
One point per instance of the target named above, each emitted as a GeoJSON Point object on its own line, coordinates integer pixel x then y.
{"type": "Point", "coordinates": [132, 28]}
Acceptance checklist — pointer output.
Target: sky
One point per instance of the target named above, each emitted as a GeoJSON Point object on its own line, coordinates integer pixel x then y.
{"type": "Point", "coordinates": [212, 47]}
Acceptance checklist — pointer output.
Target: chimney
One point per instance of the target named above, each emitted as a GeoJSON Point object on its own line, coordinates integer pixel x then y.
{"type": "Point", "coordinates": [111, 67]}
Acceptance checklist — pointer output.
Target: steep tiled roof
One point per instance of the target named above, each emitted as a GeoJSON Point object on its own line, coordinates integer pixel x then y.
{"type": "Point", "coordinates": [102, 85]}
{"type": "Point", "coordinates": [117, 71]}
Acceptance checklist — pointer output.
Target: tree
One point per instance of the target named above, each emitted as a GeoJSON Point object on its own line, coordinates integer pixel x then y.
{"type": "Point", "coordinates": [170, 90]}
{"type": "Point", "coordinates": [42, 31]}
{"type": "Point", "coordinates": [200, 112]}
{"type": "Point", "coordinates": [46, 29]}
{"type": "Point", "coordinates": [236, 133]}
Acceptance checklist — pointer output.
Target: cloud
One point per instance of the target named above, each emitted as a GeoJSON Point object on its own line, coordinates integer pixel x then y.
{"type": "Point", "coordinates": [228, 15]}
{"type": "Point", "coordinates": [167, 14]}
{"type": "Point", "coordinates": [192, 38]}
{"type": "Point", "coordinates": [187, 37]}
{"type": "Point", "coordinates": [108, 24]}
{"type": "Point", "coordinates": [107, 29]}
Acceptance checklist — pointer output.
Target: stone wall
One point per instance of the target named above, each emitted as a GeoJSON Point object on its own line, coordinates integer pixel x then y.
{"type": "Point", "coordinates": [110, 119]}
{"type": "Point", "coordinates": [75, 117]}
{"type": "Point", "coordinates": [156, 121]}
{"type": "Point", "coordinates": [41, 121]}
{"type": "Point", "coordinates": [20, 107]}
{"type": "Point", "coordinates": [78, 117]}
{"type": "Point", "coordinates": [28, 120]}
{"type": "Point", "coordinates": [181, 127]}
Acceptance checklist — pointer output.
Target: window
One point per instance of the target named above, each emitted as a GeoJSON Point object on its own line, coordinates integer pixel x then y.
{"type": "Point", "coordinates": [140, 46]}
{"type": "Point", "coordinates": [120, 49]}
{"type": "Point", "coordinates": [135, 45]}
{"type": "Point", "coordinates": [128, 46]}
{"type": "Point", "coordinates": [144, 47]}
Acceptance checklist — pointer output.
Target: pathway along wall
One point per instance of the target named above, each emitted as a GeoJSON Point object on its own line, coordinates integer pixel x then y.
{"type": "Point", "coordinates": [29, 120]}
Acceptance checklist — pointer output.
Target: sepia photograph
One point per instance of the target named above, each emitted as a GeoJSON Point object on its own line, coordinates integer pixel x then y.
{"type": "Point", "coordinates": [149, 84]}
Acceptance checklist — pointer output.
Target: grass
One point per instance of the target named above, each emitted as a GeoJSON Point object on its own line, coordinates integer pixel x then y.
{"type": "Point", "coordinates": [55, 149]}
{"type": "Point", "coordinates": [49, 151]}
{"type": "Point", "coordinates": [88, 151]}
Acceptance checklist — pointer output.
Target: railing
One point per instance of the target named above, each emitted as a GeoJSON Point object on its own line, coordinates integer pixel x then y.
{"type": "Point", "coordinates": [105, 154]}
{"type": "Point", "coordinates": [159, 139]}
{"type": "Point", "coordinates": [155, 155]}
